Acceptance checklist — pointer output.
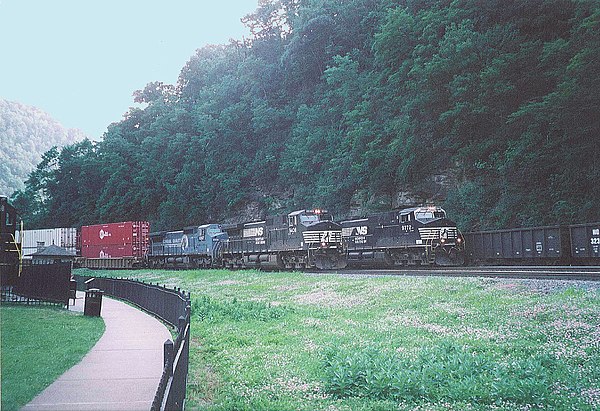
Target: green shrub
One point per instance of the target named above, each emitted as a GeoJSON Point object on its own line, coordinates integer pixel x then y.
{"type": "Point", "coordinates": [444, 372]}
{"type": "Point", "coordinates": [209, 309]}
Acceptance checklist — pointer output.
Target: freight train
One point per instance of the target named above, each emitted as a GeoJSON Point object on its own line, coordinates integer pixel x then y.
{"type": "Point", "coordinates": [418, 236]}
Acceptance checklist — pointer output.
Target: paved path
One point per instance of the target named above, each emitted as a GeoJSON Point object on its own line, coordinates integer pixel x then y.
{"type": "Point", "coordinates": [121, 372]}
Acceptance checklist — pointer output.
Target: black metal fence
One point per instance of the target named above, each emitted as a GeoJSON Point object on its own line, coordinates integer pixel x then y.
{"type": "Point", "coordinates": [37, 284]}
{"type": "Point", "coordinates": [173, 307]}
{"type": "Point", "coordinates": [171, 389]}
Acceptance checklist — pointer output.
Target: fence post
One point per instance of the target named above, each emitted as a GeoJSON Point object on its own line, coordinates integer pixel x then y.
{"type": "Point", "coordinates": [182, 323]}
{"type": "Point", "coordinates": [168, 356]}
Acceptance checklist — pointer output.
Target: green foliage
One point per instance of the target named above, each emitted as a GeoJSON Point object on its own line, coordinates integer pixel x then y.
{"type": "Point", "coordinates": [328, 102]}
{"type": "Point", "coordinates": [294, 341]}
{"type": "Point", "coordinates": [208, 309]}
{"type": "Point", "coordinates": [25, 134]}
{"type": "Point", "coordinates": [444, 372]}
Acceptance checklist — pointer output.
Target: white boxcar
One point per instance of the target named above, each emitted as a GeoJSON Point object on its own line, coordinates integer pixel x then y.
{"type": "Point", "coordinates": [35, 240]}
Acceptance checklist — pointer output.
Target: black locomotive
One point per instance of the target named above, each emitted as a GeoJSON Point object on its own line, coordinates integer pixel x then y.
{"type": "Point", "coordinates": [9, 248]}
{"type": "Point", "coordinates": [302, 239]}
{"type": "Point", "coordinates": [413, 236]}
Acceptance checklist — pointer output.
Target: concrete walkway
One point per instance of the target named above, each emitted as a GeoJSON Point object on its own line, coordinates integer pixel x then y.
{"type": "Point", "coordinates": [121, 372]}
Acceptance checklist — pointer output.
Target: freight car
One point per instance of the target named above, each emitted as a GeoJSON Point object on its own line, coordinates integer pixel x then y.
{"type": "Point", "coordinates": [301, 239]}
{"type": "Point", "coordinates": [115, 245]}
{"type": "Point", "coordinates": [192, 247]}
{"type": "Point", "coordinates": [414, 236]}
{"type": "Point", "coordinates": [35, 240]}
{"type": "Point", "coordinates": [551, 245]}
{"type": "Point", "coordinates": [10, 249]}
{"type": "Point", "coordinates": [585, 244]}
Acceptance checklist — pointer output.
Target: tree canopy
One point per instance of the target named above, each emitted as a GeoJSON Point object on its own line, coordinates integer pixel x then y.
{"type": "Point", "coordinates": [489, 109]}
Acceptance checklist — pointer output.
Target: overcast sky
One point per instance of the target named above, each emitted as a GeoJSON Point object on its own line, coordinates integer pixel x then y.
{"type": "Point", "coordinates": [81, 60]}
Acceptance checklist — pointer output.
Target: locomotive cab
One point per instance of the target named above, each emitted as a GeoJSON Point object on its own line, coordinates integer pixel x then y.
{"type": "Point", "coordinates": [322, 237]}
{"type": "Point", "coordinates": [426, 215]}
{"type": "Point", "coordinates": [438, 233]}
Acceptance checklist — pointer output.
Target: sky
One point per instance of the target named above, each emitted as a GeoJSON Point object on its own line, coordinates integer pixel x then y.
{"type": "Point", "coordinates": [81, 60]}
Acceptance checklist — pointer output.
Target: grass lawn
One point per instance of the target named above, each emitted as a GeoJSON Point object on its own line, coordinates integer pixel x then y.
{"type": "Point", "coordinates": [38, 345]}
{"type": "Point", "coordinates": [290, 341]}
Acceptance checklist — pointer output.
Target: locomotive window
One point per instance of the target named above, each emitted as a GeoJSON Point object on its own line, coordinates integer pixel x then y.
{"type": "Point", "coordinates": [201, 234]}
{"type": "Point", "coordinates": [307, 219]}
{"type": "Point", "coordinates": [427, 215]}
{"type": "Point", "coordinates": [292, 222]}
{"type": "Point", "coordinates": [8, 219]}
{"type": "Point", "coordinates": [326, 217]}
{"type": "Point", "coordinates": [404, 218]}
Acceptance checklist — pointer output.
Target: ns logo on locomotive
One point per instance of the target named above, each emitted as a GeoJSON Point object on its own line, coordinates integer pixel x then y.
{"type": "Point", "coordinates": [413, 236]}
{"type": "Point", "coordinates": [302, 239]}
{"type": "Point", "coordinates": [311, 239]}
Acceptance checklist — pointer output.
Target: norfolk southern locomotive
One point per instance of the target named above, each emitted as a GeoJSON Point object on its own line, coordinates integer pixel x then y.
{"type": "Point", "coordinates": [302, 239]}
{"type": "Point", "coordinates": [413, 236]}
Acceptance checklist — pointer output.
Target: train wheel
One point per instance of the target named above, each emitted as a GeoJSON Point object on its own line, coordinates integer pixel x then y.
{"type": "Point", "coordinates": [388, 259]}
{"type": "Point", "coordinates": [324, 262]}
{"type": "Point", "coordinates": [342, 263]}
{"type": "Point", "coordinates": [451, 258]}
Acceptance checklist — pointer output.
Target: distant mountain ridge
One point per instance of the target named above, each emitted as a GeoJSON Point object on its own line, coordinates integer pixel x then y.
{"type": "Point", "coordinates": [26, 133]}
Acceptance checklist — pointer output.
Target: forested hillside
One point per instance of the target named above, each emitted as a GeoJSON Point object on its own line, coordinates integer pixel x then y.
{"type": "Point", "coordinates": [491, 109]}
{"type": "Point", "coordinates": [25, 134]}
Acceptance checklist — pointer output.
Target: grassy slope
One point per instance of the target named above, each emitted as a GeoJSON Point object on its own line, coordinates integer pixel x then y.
{"type": "Point", "coordinates": [288, 341]}
{"type": "Point", "coordinates": [38, 345]}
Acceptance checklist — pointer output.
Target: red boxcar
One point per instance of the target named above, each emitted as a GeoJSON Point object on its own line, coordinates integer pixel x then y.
{"type": "Point", "coordinates": [115, 240]}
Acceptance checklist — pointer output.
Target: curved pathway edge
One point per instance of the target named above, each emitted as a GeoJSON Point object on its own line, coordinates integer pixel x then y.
{"type": "Point", "coordinates": [121, 372]}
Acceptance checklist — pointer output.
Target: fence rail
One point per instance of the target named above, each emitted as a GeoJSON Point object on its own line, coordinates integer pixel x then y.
{"type": "Point", "coordinates": [173, 307]}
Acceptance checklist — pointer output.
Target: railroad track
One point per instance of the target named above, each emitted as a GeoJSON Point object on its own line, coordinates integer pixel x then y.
{"type": "Point", "coordinates": [522, 272]}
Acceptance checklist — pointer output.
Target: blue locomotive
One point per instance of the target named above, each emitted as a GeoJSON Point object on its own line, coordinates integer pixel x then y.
{"type": "Point", "coordinates": [192, 247]}
{"type": "Point", "coordinates": [413, 236]}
